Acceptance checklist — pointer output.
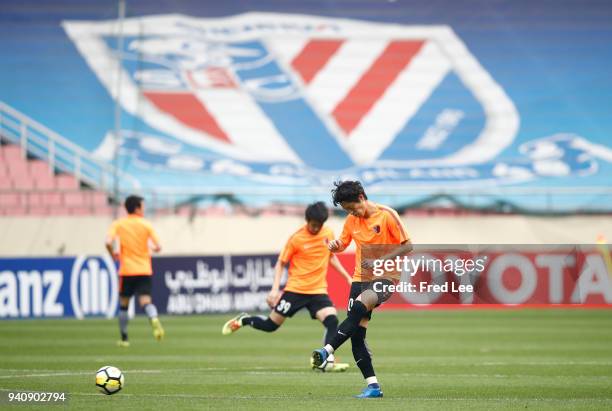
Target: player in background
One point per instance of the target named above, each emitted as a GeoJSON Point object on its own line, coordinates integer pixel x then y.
{"type": "Point", "coordinates": [307, 255]}
{"type": "Point", "coordinates": [130, 241]}
{"type": "Point", "coordinates": [368, 223]}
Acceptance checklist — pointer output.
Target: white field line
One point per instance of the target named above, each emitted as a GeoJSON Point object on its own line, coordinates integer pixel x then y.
{"type": "Point", "coordinates": [433, 375]}
{"type": "Point", "coordinates": [537, 363]}
{"type": "Point", "coordinates": [291, 370]}
{"type": "Point", "coordinates": [281, 397]}
{"type": "Point", "coordinates": [72, 373]}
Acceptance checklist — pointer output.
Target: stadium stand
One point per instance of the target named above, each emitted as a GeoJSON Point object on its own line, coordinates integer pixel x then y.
{"type": "Point", "coordinates": [32, 187]}
{"type": "Point", "coordinates": [58, 157]}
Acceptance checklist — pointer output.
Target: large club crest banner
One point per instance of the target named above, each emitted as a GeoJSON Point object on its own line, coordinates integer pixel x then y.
{"type": "Point", "coordinates": [214, 97]}
{"type": "Point", "coordinates": [296, 100]}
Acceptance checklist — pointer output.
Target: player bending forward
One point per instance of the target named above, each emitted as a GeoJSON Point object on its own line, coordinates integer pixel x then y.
{"type": "Point", "coordinates": [308, 256]}
{"type": "Point", "coordinates": [368, 223]}
{"type": "Point", "coordinates": [135, 236]}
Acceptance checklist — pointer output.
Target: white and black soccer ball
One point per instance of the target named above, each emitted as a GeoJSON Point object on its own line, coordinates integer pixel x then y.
{"type": "Point", "coordinates": [109, 380]}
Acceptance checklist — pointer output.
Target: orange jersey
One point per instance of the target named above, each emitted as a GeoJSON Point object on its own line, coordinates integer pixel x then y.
{"type": "Point", "coordinates": [133, 233]}
{"type": "Point", "coordinates": [308, 257]}
{"type": "Point", "coordinates": [384, 226]}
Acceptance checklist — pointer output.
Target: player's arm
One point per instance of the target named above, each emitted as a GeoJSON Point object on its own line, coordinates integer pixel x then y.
{"type": "Point", "coordinates": [110, 242]}
{"type": "Point", "coordinates": [339, 245]}
{"type": "Point", "coordinates": [402, 249]}
{"type": "Point", "coordinates": [274, 294]}
{"type": "Point", "coordinates": [335, 262]}
{"type": "Point", "coordinates": [109, 248]}
{"type": "Point", "coordinates": [154, 240]}
{"type": "Point", "coordinates": [398, 232]}
{"type": "Point", "coordinates": [283, 260]}
{"type": "Point", "coordinates": [336, 246]}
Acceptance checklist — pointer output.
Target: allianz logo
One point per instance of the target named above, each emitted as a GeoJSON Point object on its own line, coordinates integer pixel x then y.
{"type": "Point", "coordinates": [42, 293]}
{"type": "Point", "coordinates": [93, 287]}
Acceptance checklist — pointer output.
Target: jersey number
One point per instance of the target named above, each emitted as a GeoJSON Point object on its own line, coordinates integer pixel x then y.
{"type": "Point", "coordinates": [350, 304]}
{"type": "Point", "coordinates": [283, 306]}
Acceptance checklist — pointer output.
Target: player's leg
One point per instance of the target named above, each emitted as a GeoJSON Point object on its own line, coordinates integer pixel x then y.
{"type": "Point", "coordinates": [124, 303]}
{"type": "Point", "coordinates": [269, 324]}
{"type": "Point", "coordinates": [288, 304]}
{"type": "Point", "coordinates": [146, 302]}
{"type": "Point", "coordinates": [328, 316]}
{"type": "Point", "coordinates": [125, 293]}
{"type": "Point", "coordinates": [361, 302]}
{"type": "Point", "coordinates": [363, 359]}
{"type": "Point", "coordinates": [362, 353]}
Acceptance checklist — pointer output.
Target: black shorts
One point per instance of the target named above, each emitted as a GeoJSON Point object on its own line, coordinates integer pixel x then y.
{"type": "Point", "coordinates": [358, 287]}
{"type": "Point", "coordinates": [290, 303]}
{"type": "Point", "coordinates": [134, 284]}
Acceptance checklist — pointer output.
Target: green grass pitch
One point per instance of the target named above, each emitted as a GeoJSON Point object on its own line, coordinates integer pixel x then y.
{"type": "Point", "coordinates": [473, 359]}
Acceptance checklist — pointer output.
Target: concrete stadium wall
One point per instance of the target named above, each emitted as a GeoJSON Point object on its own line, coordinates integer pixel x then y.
{"type": "Point", "coordinates": [31, 236]}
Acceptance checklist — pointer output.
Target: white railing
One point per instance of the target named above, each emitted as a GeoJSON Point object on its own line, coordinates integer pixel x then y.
{"type": "Point", "coordinates": [59, 152]}
{"type": "Point", "coordinates": [66, 156]}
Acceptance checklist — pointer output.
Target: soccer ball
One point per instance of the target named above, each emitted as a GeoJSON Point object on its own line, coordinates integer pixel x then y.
{"type": "Point", "coordinates": [109, 380]}
{"type": "Point", "coordinates": [327, 365]}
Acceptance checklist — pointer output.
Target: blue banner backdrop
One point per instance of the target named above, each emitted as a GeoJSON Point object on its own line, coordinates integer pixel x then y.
{"type": "Point", "coordinates": [87, 286]}
{"type": "Point", "coordinates": [510, 94]}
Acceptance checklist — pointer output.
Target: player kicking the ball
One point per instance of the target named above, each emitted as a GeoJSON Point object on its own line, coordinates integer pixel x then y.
{"type": "Point", "coordinates": [371, 225]}
{"type": "Point", "coordinates": [307, 255]}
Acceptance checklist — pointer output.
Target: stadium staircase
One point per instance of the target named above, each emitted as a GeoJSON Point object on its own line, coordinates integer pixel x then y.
{"type": "Point", "coordinates": [42, 173]}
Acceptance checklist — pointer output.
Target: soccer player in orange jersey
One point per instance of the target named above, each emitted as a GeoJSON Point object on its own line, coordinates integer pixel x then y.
{"type": "Point", "coordinates": [368, 224]}
{"type": "Point", "coordinates": [307, 256]}
{"type": "Point", "coordinates": [130, 241]}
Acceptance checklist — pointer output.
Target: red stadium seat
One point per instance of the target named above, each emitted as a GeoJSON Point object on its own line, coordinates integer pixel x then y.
{"type": "Point", "coordinates": [33, 198]}
{"type": "Point", "coordinates": [6, 183]}
{"type": "Point", "coordinates": [8, 200]}
{"type": "Point", "coordinates": [14, 211]}
{"type": "Point", "coordinates": [39, 168]}
{"type": "Point", "coordinates": [42, 174]}
{"type": "Point", "coordinates": [12, 151]}
{"type": "Point", "coordinates": [98, 199]}
{"type": "Point", "coordinates": [66, 182]}
{"type": "Point", "coordinates": [31, 187]}
{"type": "Point", "coordinates": [75, 199]}
{"type": "Point", "coordinates": [23, 182]}
{"type": "Point", "coordinates": [38, 210]}
{"type": "Point", "coordinates": [44, 183]}
{"type": "Point", "coordinates": [3, 169]}
{"type": "Point", "coordinates": [52, 199]}
{"type": "Point", "coordinates": [16, 166]}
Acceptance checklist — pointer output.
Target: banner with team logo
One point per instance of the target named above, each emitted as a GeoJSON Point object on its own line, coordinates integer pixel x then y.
{"type": "Point", "coordinates": [430, 276]}
{"type": "Point", "coordinates": [279, 100]}
{"type": "Point", "coordinates": [454, 276]}
{"type": "Point", "coordinates": [273, 106]}
{"type": "Point", "coordinates": [87, 286]}
{"type": "Point", "coordinates": [58, 287]}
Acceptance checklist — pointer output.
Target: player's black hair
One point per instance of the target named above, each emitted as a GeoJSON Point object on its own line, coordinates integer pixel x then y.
{"type": "Point", "coordinates": [347, 191]}
{"type": "Point", "coordinates": [132, 203]}
{"type": "Point", "coordinates": [317, 212]}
